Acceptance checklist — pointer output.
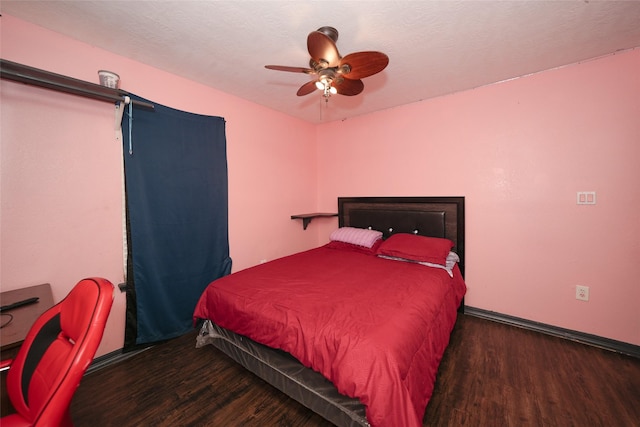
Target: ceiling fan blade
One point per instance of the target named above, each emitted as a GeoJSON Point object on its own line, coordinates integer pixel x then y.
{"type": "Point", "coordinates": [364, 64]}
{"type": "Point", "coordinates": [349, 87]}
{"type": "Point", "coordinates": [323, 49]}
{"type": "Point", "coordinates": [306, 88]}
{"type": "Point", "coordinates": [290, 69]}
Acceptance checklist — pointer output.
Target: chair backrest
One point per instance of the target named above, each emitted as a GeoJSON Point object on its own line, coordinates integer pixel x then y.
{"type": "Point", "coordinates": [56, 353]}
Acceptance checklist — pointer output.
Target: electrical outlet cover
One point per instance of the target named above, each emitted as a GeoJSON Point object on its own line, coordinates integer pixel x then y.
{"type": "Point", "coordinates": [582, 293]}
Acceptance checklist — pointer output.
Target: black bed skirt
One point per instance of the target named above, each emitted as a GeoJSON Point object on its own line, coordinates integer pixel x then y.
{"type": "Point", "coordinates": [288, 375]}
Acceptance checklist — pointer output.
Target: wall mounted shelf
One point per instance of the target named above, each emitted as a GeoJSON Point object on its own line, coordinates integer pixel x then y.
{"type": "Point", "coordinates": [306, 218]}
{"type": "Point", "coordinates": [46, 79]}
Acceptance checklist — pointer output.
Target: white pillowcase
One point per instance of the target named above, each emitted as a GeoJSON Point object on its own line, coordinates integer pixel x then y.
{"type": "Point", "coordinates": [356, 236]}
{"type": "Point", "coordinates": [452, 259]}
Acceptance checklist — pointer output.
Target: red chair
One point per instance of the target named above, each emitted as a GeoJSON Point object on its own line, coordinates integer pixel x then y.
{"type": "Point", "coordinates": [57, 351]}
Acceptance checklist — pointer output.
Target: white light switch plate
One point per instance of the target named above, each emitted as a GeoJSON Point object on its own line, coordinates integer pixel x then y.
{"type": "Point", "coordinates": [586, 198]}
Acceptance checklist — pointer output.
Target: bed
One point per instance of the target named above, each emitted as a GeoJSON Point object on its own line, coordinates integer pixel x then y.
{"type": "Point", "coordinates": [353, 332]}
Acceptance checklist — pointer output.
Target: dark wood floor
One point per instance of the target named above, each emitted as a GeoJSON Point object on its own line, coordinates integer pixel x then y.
{"type": "Point", "coordinates": [491, 375]}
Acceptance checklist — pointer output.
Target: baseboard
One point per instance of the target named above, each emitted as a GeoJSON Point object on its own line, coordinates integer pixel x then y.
{"type": "Point", "coordinates": [594, 340]}
{"type": "Point", "coordinates": [112, 358]}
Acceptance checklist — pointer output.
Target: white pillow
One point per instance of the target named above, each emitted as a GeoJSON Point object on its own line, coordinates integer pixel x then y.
{"type": "Point", "coordinates": [452, 259]}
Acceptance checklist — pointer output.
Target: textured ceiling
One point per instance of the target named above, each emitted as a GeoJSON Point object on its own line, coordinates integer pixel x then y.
{"type": "Point", "coordinates": [434, 47]}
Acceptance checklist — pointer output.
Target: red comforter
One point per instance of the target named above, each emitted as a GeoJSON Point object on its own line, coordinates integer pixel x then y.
{"type": "Point", "coordinates": [377, 328]}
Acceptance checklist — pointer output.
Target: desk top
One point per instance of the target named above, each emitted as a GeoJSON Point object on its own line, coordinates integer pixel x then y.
{"type": "Point", "coordinates": [15, 332]}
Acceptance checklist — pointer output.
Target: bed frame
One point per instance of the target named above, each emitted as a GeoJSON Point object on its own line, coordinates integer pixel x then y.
{"type": "Point", "coordinates": [429, 216]}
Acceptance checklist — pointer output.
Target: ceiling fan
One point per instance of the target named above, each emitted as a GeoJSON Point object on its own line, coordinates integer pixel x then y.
{"type": "Point", "coordinates": [334, 73]}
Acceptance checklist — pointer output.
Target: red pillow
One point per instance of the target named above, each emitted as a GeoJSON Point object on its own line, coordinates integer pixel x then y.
{"type": "Point", "coordinates": [416, 248]}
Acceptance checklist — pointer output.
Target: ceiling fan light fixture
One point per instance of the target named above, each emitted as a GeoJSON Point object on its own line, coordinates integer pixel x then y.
{"type": "Point", "coordinates": [324, 83]}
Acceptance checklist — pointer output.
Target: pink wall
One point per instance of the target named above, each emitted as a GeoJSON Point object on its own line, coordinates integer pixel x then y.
{"type": "Point", "coordinates": [61, 169]}
{"type": "Point", "coordinates": [519, 151]}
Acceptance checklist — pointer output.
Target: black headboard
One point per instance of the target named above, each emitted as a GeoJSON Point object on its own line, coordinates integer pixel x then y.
{"type": "Point", "coordinates": [426, 216]}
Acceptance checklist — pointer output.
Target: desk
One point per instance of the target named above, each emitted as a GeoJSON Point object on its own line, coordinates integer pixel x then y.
{"type": "Point", "coordinates": [12, 335]}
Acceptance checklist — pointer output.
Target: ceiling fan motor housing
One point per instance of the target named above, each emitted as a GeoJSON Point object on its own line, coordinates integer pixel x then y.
{"type": "Point", "coordinates": [330, 32]}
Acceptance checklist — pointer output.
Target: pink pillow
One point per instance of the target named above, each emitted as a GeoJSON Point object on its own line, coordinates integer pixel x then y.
{"type": "Point", "coordinates": [416, 248]}
{"type": "Point", "coordinates": [356, 236]}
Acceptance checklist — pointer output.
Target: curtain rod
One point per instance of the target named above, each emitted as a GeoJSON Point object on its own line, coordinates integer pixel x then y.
{"type": "Point", "coordinates": [34, 76]}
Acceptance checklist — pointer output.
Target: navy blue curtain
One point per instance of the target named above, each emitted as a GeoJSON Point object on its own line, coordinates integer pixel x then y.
{"type": "Point", "coordinates": [177, 217]}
